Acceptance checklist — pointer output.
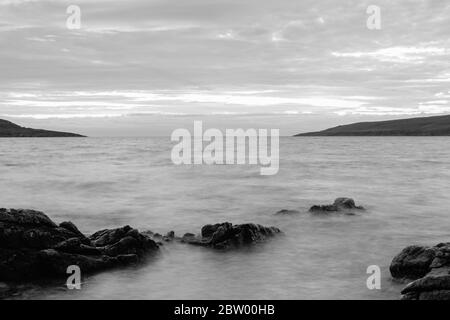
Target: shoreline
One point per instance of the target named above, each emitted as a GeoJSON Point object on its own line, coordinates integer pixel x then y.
{"type": "Point", "coordinates": [116, 244]}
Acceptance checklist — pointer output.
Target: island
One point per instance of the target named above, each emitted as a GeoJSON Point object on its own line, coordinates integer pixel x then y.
{"type": "Point", "coordinates": [12, 130]}
{"type": "Point", "coordinates": [424, 126]}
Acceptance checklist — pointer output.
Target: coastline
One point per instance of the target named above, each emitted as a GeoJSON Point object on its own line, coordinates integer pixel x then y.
{"type": "Point", "coordinates": [63, 245]}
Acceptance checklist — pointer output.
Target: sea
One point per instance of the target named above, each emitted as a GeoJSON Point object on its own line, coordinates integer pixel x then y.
{"type": "Point", "coordinates": [98, 183]}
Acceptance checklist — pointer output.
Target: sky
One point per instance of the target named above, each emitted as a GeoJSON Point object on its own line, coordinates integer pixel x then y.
{"type": "Point", "coordinates": [148, 67]}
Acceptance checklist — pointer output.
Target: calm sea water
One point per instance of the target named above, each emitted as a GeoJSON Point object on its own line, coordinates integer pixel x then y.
{"type": "Point", "coordinates": [98, 183]}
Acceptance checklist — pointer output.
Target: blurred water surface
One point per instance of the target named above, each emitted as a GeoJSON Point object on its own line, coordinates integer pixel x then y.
{"type": "Point", "coordinates": [98, 183]}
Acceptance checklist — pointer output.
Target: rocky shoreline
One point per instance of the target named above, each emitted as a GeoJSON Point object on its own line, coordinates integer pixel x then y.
{"type": "Point", "coordinates": [428, 267]}
{"type": "Point", "coordinates": [33, 247]}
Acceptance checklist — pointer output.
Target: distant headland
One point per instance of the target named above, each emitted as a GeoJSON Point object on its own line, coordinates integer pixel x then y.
{"type": "Point", "coordinates": [424, 126]}
{"type": "Point", "coordinates": [12, 130]}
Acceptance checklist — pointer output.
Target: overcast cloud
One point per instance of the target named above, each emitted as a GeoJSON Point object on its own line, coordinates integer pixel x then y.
{"type": "Point", "coordinates": [147, 66]}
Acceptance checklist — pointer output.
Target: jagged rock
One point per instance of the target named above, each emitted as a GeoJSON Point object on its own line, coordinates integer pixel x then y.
{"type": "Point", "coordinates": [30, 229]}
{"type": "Point", "coordinates": [209, 229]}
{"type": "Point", "coordinates": [227, 235]}
{"type": "Point", "coordinates": [75, 245]}
{"type": "Point", "coordinates": [340, 204]}
{"type": "Point", "coordinates": [120, 241]}
{"type": "Point", "coordinates": [33, 247]}
{"type": "Point", "coordinates": [430, 267]}
{"type": "Point", "coordinates": [25, 217]}
{"type": "Point", "coordinates": [71, 227]}
{"type": "Point", "coordinates": [428, 283]}
{"type": "Point", "coordinates": [109, 236]}
{"type": "Point", "coordinates": [170, 236]}
{"type": "Point", "coordinates": [54, 263]}
{"type": "Point", "coordinates": [410, 296]}
{"type": "Point", "coordinates": [435, 295]}
{"type": "Point", "coordinates": [413, 262]}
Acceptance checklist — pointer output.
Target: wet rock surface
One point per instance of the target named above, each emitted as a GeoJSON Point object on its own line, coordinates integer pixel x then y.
{"type": "Point", "coordinates": [226, 235]}
{"type": "Point", "coordinates": [429, 267]}
{"type": "Point", "coordinates": [33, 247]}
{"type": "Point", "coordinates": [345, 205]}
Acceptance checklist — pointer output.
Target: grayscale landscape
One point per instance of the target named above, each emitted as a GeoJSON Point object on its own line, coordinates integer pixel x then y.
{"type": "Point", "coordinates": [230, 150]}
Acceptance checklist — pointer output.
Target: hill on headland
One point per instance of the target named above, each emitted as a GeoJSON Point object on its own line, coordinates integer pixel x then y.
{"type": "Point", "coordinates": [12, 130]}
{"type": "Point", "coordinates": [425, 126]}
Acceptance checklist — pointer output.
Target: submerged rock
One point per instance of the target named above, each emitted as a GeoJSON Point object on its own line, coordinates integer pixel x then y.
{"type": "Point", "coordinates": [287, 212]}
{"type": "Point", "coordinates": [226, 235]}
{"type": "Point", "coordinates": [32, 247]}
{"type": "Point", "coordinates": [429, 267]}
{"type": "Point", "coordinates": [170, 236]}
{"type": "Point", "coordinates": [340, 204]}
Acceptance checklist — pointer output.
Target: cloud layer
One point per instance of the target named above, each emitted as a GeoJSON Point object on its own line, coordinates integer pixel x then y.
{"type": "Point", "coordinates": [203, 57]}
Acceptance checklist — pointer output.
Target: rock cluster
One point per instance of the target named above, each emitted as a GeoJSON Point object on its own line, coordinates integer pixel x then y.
{"type": "Point", "coordinates": [429, 267]}
{"type": "Point", "coordinates": [226, 235]}
{"type": "Point", "coordinates": [340, 205]}
{"type": "Point", "coordinates": [32, 247]}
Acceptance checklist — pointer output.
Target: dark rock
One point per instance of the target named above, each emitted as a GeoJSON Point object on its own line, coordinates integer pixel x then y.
{"type": "Point", "coordinates": [74, 245]}
{"type": "Point", "coordinates": [188, 235]}
{"type": "Point", "coordinates": [431, 269]}
{"type": "Point", "coordinates": [340, 204]}
{"type": "Point", "coordinates": [412, 263]}
{"type": "Point", "coordinates": [120, 241]}
{"type": "Point", "coordinates": [34, 247]}
{"type": "Point", "coordinates": [346, 203]}
{"type": "Point", "coordinates": [227, 235]}
{"type": "Point", "coordinates": [209, 229]}
{"type": "Point", "coordinates": [434, 295]}
{"type": "Point", "coordinates": [53, 263]}
{"type": "Point", "coordinates": [169, 236]}
{"type": "Point", "coordinates": [71, 227]}
{"type": "Point", "coordinates": [286, 211]}
{"type": "Point", "coordinates": [19, 264]}
{"type": "Point", "coordinates": [131, 244]}
{"type": "Point", "coordinates": [108, 236]}
{"type": "Point", "coordinates": [30, 229]}
{"type": "Point", "coordinates": [410, 296]}
{"type": "Point", "coordinates": [428, 283]}
{"type": "Point", "coordinates": [25, 217]}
